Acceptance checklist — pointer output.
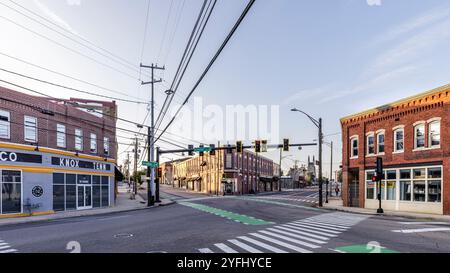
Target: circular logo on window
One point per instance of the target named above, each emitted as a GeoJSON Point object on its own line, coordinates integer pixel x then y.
{"type": "Point", "coordinates": [38, 191]}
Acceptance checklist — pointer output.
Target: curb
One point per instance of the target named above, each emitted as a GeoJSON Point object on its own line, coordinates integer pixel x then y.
{"type": "Point", "coordinates": [424, 217]}
{"type": "Point", "coordinates": [32, 221]}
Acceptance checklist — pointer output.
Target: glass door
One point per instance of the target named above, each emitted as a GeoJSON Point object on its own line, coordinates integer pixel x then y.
{"type": "Point", "coordinates": [84, 197]}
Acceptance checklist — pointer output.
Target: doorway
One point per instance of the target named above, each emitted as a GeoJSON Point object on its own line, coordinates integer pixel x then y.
{"type": "Point", "coordinates": [84, 197]}
{"type": "Point", "coordinates": [353, 188]}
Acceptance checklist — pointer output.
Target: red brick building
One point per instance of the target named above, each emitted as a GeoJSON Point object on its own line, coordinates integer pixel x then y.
{"type": "Point", "coordinates": [413, 138]}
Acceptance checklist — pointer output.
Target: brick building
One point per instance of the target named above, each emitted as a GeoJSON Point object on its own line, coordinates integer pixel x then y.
{"type": "Point", "coordinates": [55, 154]}
{"type": "Point", "coordinates": [413, 138]}
{"type": "Point", "coordinates": [229, 173]}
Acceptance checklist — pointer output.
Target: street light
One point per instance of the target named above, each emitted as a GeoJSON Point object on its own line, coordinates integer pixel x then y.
{"type": "Point", "coordinates": [318, 124]}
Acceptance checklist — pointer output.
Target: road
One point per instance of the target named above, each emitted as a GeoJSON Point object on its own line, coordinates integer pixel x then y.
{"type": "Point", "coordinates": [278, 222]}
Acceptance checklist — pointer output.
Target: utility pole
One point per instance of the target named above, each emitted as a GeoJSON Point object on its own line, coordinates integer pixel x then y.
{"type": "Point", "coordinates": [128, 169]}
{"type": "Point", "coordinates": [279, 170]}
{"type": "Point", "coordinates": [135, 165]}
{"type": "Point", "coordinates": [151, 134]}
{"type": "Point", "coordinates": [320, 164]}
{"type": "Point", "coordinates": [157, 179]}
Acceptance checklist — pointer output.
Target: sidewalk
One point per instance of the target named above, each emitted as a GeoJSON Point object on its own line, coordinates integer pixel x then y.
{"type": "Point", "coordinates": [123, 203]}
{"type": "Point", "coordinates": [337, 205]}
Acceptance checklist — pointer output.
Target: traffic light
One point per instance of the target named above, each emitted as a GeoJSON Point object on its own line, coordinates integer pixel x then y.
{"type": "Point", "coordinates": [257, 146]}
{"type": "Point", "coordinates": [286, 145]}
{"type": "Point", "coordinates": [239, 146]}
{"type": "Point", "coordinates": [213, 149]}
{"type": "Point", "coordinates": [191, 150]}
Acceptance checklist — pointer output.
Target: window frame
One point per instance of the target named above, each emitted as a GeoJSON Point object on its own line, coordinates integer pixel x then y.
{"type": "Point", "coordinates": [6, 123]}
{"type": "Point", "coordinates": [35, 128]}
{"type": "Point", "coordinates": [370, 135]}
{"type": "Point", "coordinates": [378, 134]}
{"type": "Point", "coordinates": [106, 146]}
{"type": "Point", "coordinates": [80, 138]}
{"type": "Point", "coordinates": [21, 190]}
{"type": "Point", "coordinates": [415, 127]}
{"type": "Point", "coordinates": [61, 135]}
{"type": "Point", "coordinates": [93, 143]}
{"type": "Point", "coordinates": [396, 130]}
{"type": "Point", "coordinates": [430, 135]}
{"type": "Point", "coordinates": [352, 147]}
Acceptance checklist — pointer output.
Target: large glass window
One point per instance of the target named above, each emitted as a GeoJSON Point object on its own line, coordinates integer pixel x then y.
{"type": "Point", "coordinates": [434, 130]}
{"type": "Point", "coordinates": [96, 191]}
{"type": "Point", "coordinates": [434, 184]}
{"type": "Point", "coordinates": [399, 140]}
{"type": "Point", "coordinates": [5, 124]}
{"type": "Point", "coordinates": [78, 140]}
{"type": "Point", "coordinates": [59, 192]}
{"type": "Point", "coordinates": [30, 129]}
{"type": "Point", "coordinates": [370, 145]}
{"type": "Point", "coordinates": [61, 135]}
{"type": "Point", "coordinates": [106, 145]}
{"type": "Point", "coordinates": [391, 185]}
{"type": "Point", "coordinates": [11, 192]}
{"type": "Point", "coordinates": [419, 136]}
{"type": "Point", "coordinates": [419, 191]}
{"type": "Point", "coordinates": [71, 191]}
{"type": "Point", "coordinates": [380, 140]}
{"type": "Point", "coordinates": [354, 147]}
{"type": "Point", "coordinates": [405, 185]}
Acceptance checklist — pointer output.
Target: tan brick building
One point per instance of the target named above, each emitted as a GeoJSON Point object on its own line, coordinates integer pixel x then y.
{"type": "Point", "coordinates": [413, 138]}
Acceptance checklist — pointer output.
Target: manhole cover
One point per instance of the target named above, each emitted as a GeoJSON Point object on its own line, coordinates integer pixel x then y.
{"type": "Point", "coordinates": [123, 235]}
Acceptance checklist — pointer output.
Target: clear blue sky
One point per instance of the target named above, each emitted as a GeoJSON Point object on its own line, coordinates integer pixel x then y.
{"type": "Point", "coordinates": [330, 58]}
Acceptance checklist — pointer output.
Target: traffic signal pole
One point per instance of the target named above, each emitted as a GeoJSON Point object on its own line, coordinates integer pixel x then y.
{"type": "Point", "coordinates": [158, 179]}
{"type": "Point", "coordinates": [320, 164]}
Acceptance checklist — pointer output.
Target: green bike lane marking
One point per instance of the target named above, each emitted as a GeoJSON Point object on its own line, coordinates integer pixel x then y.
{"type": "Point", "coordinates": [247, 220]}
{"type": "Point", "coordinates": [364, 249]}
{"type": "Point", "coordinates": [255, 199]}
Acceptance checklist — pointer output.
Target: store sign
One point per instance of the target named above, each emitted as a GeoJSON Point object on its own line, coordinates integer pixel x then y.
{"type": "Point", "coordinates": [80, 164]}
{"type": "Point", "coordinates": [19, 157]}
{"type": "Point", "coordinates": [37, 191]}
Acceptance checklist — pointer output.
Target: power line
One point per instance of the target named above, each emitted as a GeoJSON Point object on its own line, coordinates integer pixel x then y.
{"type": "Point", "coordinates": [192, 48]}
{"type": "Point", "coordinates": [165, 31]}
{"type": "Point", "coordinates": [70, 88]}
{"type": "Point", "coordinates": [121, 62]}
{"type": "Point", "coordinates": [69, 49]}
{"type": "Point", "coordinates": [145, 37]}
{"type": "Point", "coordinates": [227, 39]}
{"type": "Point", "coordinates": [67, 76]}
{"type": "Point", "coordinates": [178, 16]}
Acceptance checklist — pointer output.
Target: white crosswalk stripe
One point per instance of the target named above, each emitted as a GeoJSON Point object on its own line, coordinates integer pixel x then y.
{"type": "Point", "coordinates": [6, 248]}
{"type": "Point", "coordinates": [245, 246]}
{"type": "Point", "coordinates": [304, 236]}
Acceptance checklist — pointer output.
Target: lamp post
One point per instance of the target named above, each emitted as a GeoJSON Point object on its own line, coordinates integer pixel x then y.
{"type": "Point", "coordinates": [318, 124]}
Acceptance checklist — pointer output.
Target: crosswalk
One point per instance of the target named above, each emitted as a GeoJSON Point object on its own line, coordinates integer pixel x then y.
{"type": "Point", "coordinates": [6, 248]}
{"type": "Point", "coordinates": [302, 236]}
{"type": "Point", "coordinates": [311, 200]}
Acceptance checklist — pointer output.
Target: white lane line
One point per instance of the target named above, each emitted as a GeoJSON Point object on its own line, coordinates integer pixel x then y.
{"type": "Point", "coordinates": [225, 248]}
{"type": "Point", "coordinates": [307, 227]}
{"type": "Point", "coordinates": [263, 245]}
{"type": "Point", "coordinates": [421, 230]}
{"type": "Point", "coordinates": [8, 251]}
{"type": "Point", "coordinates": [292, 234]}
{"type": "Point", "coordinates": [3, 244]}
{"type": "Point", "coordinates": [330, 221]}
{"type": "Point", "coordinates": [306, 232]}
{"type": "Point", "coordinates": [283, 244]}
{"type": "Point", "coordinates": [245, 246]}
{"type": "Point", "coordinates": [424, 223]}
{"type": "Point", "coordinates": [299, 227]}
{"type": "Point", "coordinates": [321, 228]}
{"type": "Point", "coordinates": [205, 250]}
{"type": "Point", "coordinates": [298, 242]}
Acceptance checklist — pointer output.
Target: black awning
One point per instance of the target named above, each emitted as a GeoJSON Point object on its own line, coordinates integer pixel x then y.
{"type": "Point", "coordinates": [118, 174]}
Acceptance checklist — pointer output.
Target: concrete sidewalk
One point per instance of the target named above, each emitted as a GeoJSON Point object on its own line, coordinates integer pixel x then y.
{"type": "Point", "coordinates": [337, 205]}
{"type": "Point", "coordinates": [123, 203]}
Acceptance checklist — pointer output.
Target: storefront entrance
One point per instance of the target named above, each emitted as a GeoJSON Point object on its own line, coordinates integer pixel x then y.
{"type": "Point", "coordinates": [84, 197]}
{"type": "Point", "coordinates": [353, 188]}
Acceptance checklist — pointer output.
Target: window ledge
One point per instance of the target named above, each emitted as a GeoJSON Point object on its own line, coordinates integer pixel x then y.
{"type": "Point", "coordinates": [427, 149]}
{"type": "Point", "coordinates": [354, 157]}
{"type": "Point", "coordinates": [381, 154]}
{"type": "Point", "coordinates": [398, 152]}
{"type": "Point", "coordinates": [371, 155]}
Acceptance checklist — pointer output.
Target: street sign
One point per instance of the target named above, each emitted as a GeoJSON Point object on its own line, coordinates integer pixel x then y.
{"type": "Point", "coordinates": [202, 149]}
{"type": "Point", "coordinates": [150, 164]}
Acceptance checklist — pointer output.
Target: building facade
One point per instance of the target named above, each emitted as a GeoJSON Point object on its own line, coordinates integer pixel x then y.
{"type": "Point", "coordinates": [226, 173]}
{"type": "Point", "coordinates": [55, 155]}
{"type": "Point", "coordinates": [413, 138]}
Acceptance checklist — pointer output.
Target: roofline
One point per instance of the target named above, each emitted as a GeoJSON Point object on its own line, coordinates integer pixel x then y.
{"type": "Point", "coordinates": [395, 103]}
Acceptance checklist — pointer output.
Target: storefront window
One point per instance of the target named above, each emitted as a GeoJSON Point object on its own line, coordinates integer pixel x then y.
{"type": "Point", "coordinates": [383, 190]}
{"type": "Point", "coordinates": [96, 191]}
{"type": "Point", "coordinates": [71, 192]}
{"type": "Point", "coordinates": [370, 190]}
{"type": "Point", "coordinates": [11, 196]}
{"type": "Point", "coordinates": [405, 190]}
{"type": "Point", "coordinates": [419, 191]}
{"type": "Point", "coordinates": [434, 191]}
{"type": "Point", "coordinates": [59, 192]}
{"type": "Point", "coordinates": [419, 174]}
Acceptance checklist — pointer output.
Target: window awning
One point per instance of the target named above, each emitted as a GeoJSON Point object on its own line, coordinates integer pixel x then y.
{"type": "Point", "coordinates": [118, 174]}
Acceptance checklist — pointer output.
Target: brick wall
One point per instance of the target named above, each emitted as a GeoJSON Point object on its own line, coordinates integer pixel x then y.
{"type": "Point", "coordinates": [64, 114]}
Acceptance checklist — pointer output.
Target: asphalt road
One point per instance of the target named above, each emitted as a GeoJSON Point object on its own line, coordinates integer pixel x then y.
{"type": "Point", "coordinates": [280, 222]}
